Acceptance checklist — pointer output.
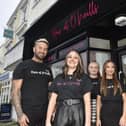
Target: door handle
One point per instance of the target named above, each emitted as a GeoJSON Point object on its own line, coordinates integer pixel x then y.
{"type": "Point", "coordinates": [119, 74]}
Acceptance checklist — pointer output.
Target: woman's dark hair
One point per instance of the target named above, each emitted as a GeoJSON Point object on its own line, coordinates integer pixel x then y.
{"type": "Point", "coordinates": [103, 87]}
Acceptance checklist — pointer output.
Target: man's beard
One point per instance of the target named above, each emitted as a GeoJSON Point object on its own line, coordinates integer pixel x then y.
{"type": "Point", "coordinates": [39, 57]}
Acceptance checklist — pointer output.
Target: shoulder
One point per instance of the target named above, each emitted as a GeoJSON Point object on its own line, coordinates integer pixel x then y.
{"type": "Point", "coordinates": [59, 77]}
{"type": "Point", "coordinates": [25, 62]}
{"type": "Point", "coordinates": [45, 66]}
{"type": "Point", "coordinates": [22, 65]}
{"type": "Point", "coordinates": [86, 80]}
{"type": "Point", "coordinates": [85, 76]}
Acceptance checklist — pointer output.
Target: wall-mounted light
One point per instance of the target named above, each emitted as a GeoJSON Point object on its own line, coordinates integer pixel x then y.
{"type": "Point", "coordinates": [120, 21]}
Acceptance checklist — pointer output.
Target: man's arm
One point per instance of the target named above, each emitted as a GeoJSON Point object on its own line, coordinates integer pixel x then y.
{"type": "Point", "coordinates": [16, 96]}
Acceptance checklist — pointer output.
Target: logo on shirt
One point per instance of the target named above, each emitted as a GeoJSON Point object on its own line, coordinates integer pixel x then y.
{"type": "Point", "coordinates": [110, 86]}
{"type": "Point", "coordinates": [68, 83]}
{"type": "Point", "coordinates": [46, 72]}
{"type": "Point", "coordinates": [94, 83]}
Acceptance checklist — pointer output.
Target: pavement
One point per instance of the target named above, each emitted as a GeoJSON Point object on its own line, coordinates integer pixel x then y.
{"type": "Point", "coordinates": [8, 124]}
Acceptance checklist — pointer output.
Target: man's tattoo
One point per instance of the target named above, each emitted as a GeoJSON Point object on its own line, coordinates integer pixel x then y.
{"type": "Point", "coordinates": [16, 99]}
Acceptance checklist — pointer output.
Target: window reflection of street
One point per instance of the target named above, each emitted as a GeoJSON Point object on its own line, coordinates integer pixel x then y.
{"type": "Point", "coordinates": [124, 67]}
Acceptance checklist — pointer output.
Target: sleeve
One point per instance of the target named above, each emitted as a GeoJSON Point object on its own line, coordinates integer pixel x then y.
{"type": "Point", "coordinates": [86, 84]}
{"type": "Point", "coordinates": [53, 87]}
{"type": "Point", "coordinates": [50, 76]}
{"type": "Point", "coordinates": [18, 72]}
{"type": "Point", "coordinates": [123, 86]}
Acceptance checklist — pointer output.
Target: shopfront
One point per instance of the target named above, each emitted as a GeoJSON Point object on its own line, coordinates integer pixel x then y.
{"type": "Point", "coordinates": [87, 26]}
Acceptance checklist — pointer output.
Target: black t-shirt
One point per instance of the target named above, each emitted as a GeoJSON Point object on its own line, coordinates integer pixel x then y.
{"type": "Point", "coordinates": [70, 87]}
{"type": "Point", "coordinates": [94, 91]}
{"type": "Point", "coordinates": [110, 97]}
{"type": "Point", "coordinates": [34, 90]}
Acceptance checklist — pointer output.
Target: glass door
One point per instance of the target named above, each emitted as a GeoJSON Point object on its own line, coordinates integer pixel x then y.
{"type": "Point", "coordinates": [122, 72]}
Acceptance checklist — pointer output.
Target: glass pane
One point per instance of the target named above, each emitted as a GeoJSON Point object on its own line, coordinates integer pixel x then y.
{"type": "Point", "coordinates": [84, 58]}
{"type": "Point", "coordinates": [124, 67]}
{"type": "Point", "coordinates": [122, 42]}
{"type": "Point", "coordinates": [99, 57]}
{"type": "Point", "coordinates": [99, 43]}
{"type": "Point", "coordinates": [57, 68]}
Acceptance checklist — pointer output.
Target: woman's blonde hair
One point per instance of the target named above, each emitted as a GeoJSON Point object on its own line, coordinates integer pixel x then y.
{"type": "Point", "coordinates": [80, 67]}
{"type": "Point", "coordinates": [98, 73]}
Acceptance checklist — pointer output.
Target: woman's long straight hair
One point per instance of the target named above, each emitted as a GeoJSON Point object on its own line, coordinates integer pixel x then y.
{"type": "Point", "coordinates": [80, 67]}
{"type": "Point", "coordinates": [103, 87]}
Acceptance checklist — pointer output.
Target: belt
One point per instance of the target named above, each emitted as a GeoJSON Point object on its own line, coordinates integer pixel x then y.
{"type": "Point", "coordinates": [71, 101]}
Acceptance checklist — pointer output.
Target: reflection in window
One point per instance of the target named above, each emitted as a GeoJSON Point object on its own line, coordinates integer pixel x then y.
{"type": "Point", "coordinates": [84, 58]}
{"type": "Point", "coordinates": [57, 68]}
{"type": "Point", "coordinates": [124, 68]}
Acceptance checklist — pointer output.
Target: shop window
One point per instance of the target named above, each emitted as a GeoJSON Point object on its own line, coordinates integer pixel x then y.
{"type": "Point", "coordinates": [57, 68]}
{"type": "Point", "coordinates": [122, 42]}
{"type": "Point", "coordinates": [124, 68]}
{"type": "Point", "coordinates": [100, 57]}
{"type": "Point", "coordinates": [84, 58]}
{"type": "Point", "coordinates": [99, 43]}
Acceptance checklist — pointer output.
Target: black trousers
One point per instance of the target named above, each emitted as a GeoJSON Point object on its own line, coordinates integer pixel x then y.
{"type": "Point", "coordinates": [36, 117]}
{"type": "Point", "coordinates": [69, 115]}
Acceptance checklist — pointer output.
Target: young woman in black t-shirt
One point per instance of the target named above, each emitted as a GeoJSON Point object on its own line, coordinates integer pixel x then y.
{"type": "Point", "coordinates": [111, 100]}
{"type": "Point", "coordinates": [94, 74]}
{"type": "Point", "coordinates": [71, 94]}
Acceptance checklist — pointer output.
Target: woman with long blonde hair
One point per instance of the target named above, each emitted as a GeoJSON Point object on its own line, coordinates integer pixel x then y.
{"type": "Point", "coordinates": [111, 100]}
{"type": "Point", "coordinates": [70, 94]}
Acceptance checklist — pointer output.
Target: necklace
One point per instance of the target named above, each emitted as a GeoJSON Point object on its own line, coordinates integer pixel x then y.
{"type": "Point", "coordinates": [70, 77]}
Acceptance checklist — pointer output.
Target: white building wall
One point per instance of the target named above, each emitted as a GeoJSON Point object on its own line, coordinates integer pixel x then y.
{"type": "Point", "coordinates": [2, 58]}
{"type": "Point", "coordinates": [14, 54]}
{"type": "Point", "coordinates": [36, 11]}
{"type": "Point", "coordinates": [18, 23]}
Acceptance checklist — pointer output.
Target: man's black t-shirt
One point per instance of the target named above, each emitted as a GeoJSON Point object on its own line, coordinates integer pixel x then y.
{"type": "Point", "coordinates": [70, 87]}
{"type": "Point", "coordinates": [34, 90]}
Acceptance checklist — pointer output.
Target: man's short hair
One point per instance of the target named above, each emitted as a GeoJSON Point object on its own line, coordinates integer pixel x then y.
{"type": "Point", "coordinates": [44, 40]}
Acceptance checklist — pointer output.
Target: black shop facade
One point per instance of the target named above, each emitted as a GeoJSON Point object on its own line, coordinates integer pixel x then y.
{"type": "Point", "coordinates": [96, 28]}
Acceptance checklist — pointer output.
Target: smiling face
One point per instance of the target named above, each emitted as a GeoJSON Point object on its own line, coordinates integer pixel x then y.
{"type": "Point", "coordinates": [72, 60]}
{"type": "Point", "coordinates": [40, 50]}
{"type": "Point", "coordinates": [93, 69]}
{"type": "Point", "coordinates": [109, 69]}
{"type": "Point", "coordinates": [73, 64]}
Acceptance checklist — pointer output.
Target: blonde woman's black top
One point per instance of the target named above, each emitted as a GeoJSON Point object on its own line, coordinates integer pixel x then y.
{"type": "Point", "coordinates": [70, 87]}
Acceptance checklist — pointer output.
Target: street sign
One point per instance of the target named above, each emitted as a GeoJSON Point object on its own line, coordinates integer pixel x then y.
{"type": "Point", "coordinates": [8, 33]}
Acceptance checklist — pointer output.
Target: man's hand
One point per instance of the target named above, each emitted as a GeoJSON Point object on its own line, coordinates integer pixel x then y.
{"type": "Point", "coordinates": [23, 120]}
